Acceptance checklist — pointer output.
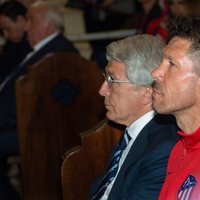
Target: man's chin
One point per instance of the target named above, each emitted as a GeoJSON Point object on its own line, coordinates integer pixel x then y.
{"type": "Point", "coordinates": [158, 108]}
{"type": "Point", "coordinates": [109, 115]}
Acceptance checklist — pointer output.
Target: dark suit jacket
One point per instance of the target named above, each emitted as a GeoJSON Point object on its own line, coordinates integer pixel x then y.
{"type": "Point", "coordinates": [7, 95]}
{"type": "Point", "coordinates": [143, 171]}
{"type": "Point", "coordinates": [12, 55]}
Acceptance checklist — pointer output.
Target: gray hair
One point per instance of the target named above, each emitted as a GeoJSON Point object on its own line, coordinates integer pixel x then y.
{"type": "Point", "coordinates": [140, 54]}
{"type": "Point", "coordinates": [52, 12]}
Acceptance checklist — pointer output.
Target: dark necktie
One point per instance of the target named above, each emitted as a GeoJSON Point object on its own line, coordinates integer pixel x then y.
{"type": "Point", "coordinates": [113, 167]}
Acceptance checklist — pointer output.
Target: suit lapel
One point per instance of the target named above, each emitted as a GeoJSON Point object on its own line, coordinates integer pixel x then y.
{"type": "Point", "coordinates": [59, 41]}
{"type": "Point", "coordinates": [32, 60]}
{"type": "Point", "coordinates": [134, 154]}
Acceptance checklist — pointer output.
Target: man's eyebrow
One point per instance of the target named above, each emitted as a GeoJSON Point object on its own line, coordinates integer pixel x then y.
{"type": "Point", "coordinates": [167, 56]}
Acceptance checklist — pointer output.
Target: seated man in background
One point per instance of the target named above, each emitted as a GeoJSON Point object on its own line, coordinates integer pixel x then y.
{"type": "Point", "coordinates": [138, 166]}
{"type": "Point", "coordinates": [44, 30]}
{"type": "Point", "coordinates": [13, 25]}
{"type": "Point", "coordinates": [150, 18]}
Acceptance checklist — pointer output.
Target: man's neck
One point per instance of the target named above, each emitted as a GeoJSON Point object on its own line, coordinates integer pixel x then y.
{"type": "Point", "coordinates": [188, 122]}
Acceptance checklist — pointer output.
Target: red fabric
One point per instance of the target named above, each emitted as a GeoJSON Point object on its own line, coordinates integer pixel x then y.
{"type": "Point", "coordinates": [183, 162]}
{"type": "Point", "coordinates": [158, 27]}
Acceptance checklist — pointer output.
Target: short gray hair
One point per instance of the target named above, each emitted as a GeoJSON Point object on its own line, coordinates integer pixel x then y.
{"type": "Point", "coordinates": [140, 54]}
{"type": "Point", "coordinates": [52, 12]}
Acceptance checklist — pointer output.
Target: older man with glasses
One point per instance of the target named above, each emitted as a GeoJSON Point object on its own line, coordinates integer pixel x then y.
{"type": "Point", "coordinates": [138, 165]}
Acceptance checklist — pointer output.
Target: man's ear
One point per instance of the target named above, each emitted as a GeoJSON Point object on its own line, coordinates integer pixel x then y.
{"type": "Point", "coordinates": [52, 26]}
{"type": "Point", "coordinates": [147, 96]}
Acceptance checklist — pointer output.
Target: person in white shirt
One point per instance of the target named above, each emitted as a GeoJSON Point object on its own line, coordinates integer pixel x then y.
{"type": "Point", "coordinates": [127, 93]}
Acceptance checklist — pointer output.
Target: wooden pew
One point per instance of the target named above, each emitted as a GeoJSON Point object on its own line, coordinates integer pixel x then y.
{"type": "Point", "coordinates": [49, 120]}
{"type": "Point", "coordinates": [83, 164]}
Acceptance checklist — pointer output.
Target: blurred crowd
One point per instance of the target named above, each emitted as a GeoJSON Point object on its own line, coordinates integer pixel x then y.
{"type": "Point", "coordinates": [145, 16]}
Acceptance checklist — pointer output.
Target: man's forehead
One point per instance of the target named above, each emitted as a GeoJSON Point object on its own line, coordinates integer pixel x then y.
{"type": "Point", "coordinates": [177, 45]}
{"type": "Point", "coordinates": [178, 42]}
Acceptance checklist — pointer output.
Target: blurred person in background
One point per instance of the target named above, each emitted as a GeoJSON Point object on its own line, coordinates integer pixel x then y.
{"type": "Point", "coordinates": [147, 17]}
{"type": "Point", "coordinates": [13, 25]}
{"type": "Point", "coordinates": [184, 7]}
{"type": "Point", "coordinates": [102, 16]}
{"type": "Point", "coordinates": [180, 7]}
{"type": "Point", "coordinates": [44, 27]}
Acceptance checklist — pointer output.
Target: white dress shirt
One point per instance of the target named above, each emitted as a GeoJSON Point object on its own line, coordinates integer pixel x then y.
{"type": "Point", "coordinates": [38, 46]}
{"type": "Point", "coordinates": [133, 130]}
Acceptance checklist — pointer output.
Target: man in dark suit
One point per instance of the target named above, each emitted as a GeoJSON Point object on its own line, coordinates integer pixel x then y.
{"type": "Point", "coordinates": [138, 165]}
{"type": "Point", "coordinates": [12, 25]}
{"type": "Point", "coordinates": [44, 30]}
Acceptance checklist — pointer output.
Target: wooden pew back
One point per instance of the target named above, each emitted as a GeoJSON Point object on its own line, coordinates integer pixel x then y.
{"type": "Point", "coordinates": [83, 164]}
{"type": "Point", "coordinates": [49, 120]}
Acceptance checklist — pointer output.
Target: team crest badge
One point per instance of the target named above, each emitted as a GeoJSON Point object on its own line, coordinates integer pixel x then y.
{"type": "Point", "coordinates": [187, 187]}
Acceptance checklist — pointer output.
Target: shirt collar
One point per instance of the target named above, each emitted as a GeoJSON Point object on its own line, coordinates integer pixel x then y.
{"type": "Point", "coordinates": [191, 141]}
{"type": "Point", "coordinates": [135, 128]}
{"type": "Point", "coordinates": [43, 42]}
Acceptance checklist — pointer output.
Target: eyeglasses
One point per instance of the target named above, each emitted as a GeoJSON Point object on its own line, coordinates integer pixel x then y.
{"type": "Point", "coordinates": [110, 81]}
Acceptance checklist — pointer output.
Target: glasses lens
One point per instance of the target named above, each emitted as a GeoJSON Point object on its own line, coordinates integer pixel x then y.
{"type": "Point", "coordinates": [108, 79]}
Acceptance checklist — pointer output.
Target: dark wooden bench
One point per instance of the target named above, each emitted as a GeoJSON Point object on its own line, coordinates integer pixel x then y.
{"type": "Point", "coordinates": [56, 99]}
{"type": "Point", "coordinates": [83, 164]}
